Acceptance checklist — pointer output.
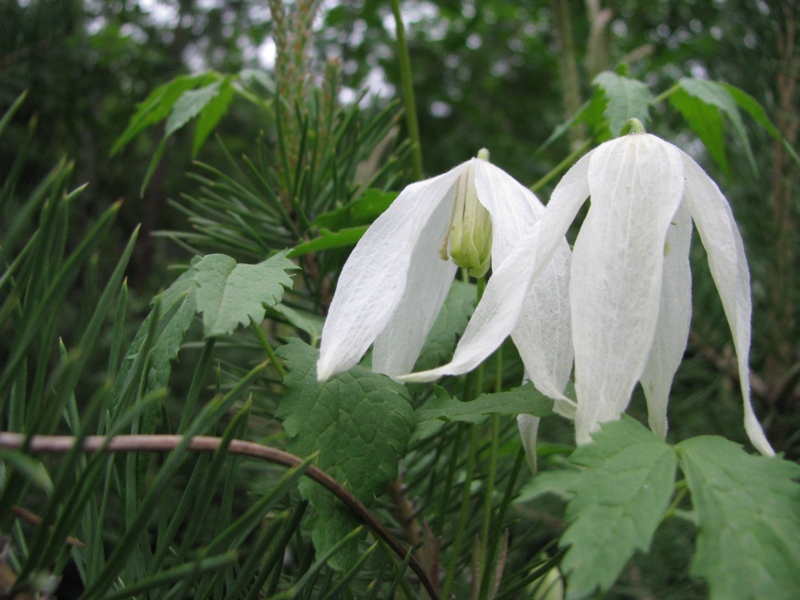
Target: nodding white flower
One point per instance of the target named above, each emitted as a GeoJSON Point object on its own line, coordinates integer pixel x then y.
{"type": "Point", "coordinates": [398, 275]}
{"type": "Point", "coordinates": [630, 283]}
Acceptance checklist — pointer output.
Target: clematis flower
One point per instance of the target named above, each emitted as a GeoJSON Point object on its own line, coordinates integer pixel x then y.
{"type": "Point", "coordinates": [397, 277]}
{"type": "Point", "coordinates": [630, 283]}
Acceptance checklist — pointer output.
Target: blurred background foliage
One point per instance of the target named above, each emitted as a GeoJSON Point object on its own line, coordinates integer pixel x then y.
{"type": "Point", "coordinates": [487, 73]}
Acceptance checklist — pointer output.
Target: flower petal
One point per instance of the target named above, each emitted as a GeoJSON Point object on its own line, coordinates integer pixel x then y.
{"type": "Point", "coordinates": [373, 279]}
{"type": "Point", "coordinates": [397, 347]}
{"type": "Point", "coordinates": [543, 333]}
{"type": "Point", "coordinates": [636, 185]}
{"type": "Point", "coordinates": [674, 318]}
{"type": "Point", "coordinates": [501, 306]}
{"type": "Point", "coordinates": [728, 263]}
{"type": "Point", "coordinates": [496, 314]}
{"type": "Point", "coordinates": [513, 207]}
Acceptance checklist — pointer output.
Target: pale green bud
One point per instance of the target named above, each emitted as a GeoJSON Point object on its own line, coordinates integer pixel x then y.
{"type": "Point", "coordinates": [468, 241]}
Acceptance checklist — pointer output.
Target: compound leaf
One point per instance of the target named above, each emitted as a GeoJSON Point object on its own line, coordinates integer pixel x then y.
{"type": "Point", "coordinates": [748, 514]}
{"type": "Point", "coordinates": [620, 497]}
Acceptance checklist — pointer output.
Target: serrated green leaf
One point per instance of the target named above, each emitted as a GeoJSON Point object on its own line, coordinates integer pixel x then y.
{"type": "Point", "coordinates": [360, 422]}
{"type": "Point", "coordinates": [524, 399]}
{"type": "Point", "coordinates": [705, 121]}
{"type": "Point", "coordinates": [715, 94]}
{"type": "Point", "coordinates": [620, 498]}
{"type": "Point", "coordinates": [211, 113]}
{"type": "Point", "coordinates": [451, 322]}
{"type": "Point", "coordinates": [189, 106]}
{"type": "Point", "coordinates": [229, 294]}
{"type": "Point", "coordinates": [177, 313]}
{"type": "Point", "coordinates": [158, 105]}
{"type": "Point", "coordinates": [748, 514]}
{"type": "Point", "coordinates": [627, 99]}
{"type": "Point", "coordinates": [168, 344]}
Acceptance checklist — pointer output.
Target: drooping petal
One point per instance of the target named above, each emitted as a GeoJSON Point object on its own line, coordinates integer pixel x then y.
{"type": "Point", "coordinates": [674, 318]}
{"type": "Point", "coordinates": [528, 426]}
{"type": "Point", "coordinates": [636, 185]}
{"type": "Point", "coordinates": [728, 264]}
{"type": "Point", "coordinates": [542, 334]}
{"type": "Point", "coordinates": [398, 346]}
{"type": "Point", "coordinates": [513, 207]}
{"type": "Point", "coordinates": [373, 279]}
{"type": "Point", "coordinates": [502, 303]}
{"type": "Point", "coordinates": [495, 316]}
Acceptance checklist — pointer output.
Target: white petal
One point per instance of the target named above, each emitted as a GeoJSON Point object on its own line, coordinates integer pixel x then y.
{"type": "Point", "coordinates": [373, 279]}
{"type": "Point", "coordinates": [397, 347]}
{"type": "Point", "coordinates": [636, 184]}
{"type": "Point", "coordinates": [528, 426]}
{"type": "Point", "coordinates": [503, 300]}
{"type": "Point", "coordinates": [513, 207]}
{"type": "Point", "coordinates": [496, 314]}
{"type": "Point", "coordinates": [674, 318]}
{"type": "Point", "coordinates": [543, 334]}
{"type": "Point", "coordinates": [728, 263]}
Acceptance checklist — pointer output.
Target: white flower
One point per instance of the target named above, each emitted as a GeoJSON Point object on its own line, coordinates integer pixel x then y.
{"type": "Point", "coordinates": [395, 281]}
{"type": "Point", "coordinates": [630, 284]}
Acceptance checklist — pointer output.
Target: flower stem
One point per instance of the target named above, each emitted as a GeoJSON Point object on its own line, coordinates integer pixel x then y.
{"type": "Point", "coordinates": [632, 127]}
{"type": "Point", "coordinates": [408, 90]}
{"type": "Point", "coordinates": [670, 512]}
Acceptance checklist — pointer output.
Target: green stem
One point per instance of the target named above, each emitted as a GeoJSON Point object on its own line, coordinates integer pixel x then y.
{"type": "Point", "coordinates": [670, 512]}
{"type": "Point", "coordinates": [408, 91]}
{"type": "Point", "coordinates": [268, 349]}
{"type": "Point", "coordinates": [561, 166]}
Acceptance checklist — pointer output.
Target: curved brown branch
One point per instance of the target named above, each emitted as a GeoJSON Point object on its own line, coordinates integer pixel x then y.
{"type": "Point", "coordinates": [60, 444]}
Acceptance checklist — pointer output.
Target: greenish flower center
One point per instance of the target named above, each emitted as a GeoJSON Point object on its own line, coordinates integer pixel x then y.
{"type": "Point", "coordinates": [468, 241]}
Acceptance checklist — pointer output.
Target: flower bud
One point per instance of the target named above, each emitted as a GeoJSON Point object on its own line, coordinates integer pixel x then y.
{"type": "Point", "coordinates": [468, 241]}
